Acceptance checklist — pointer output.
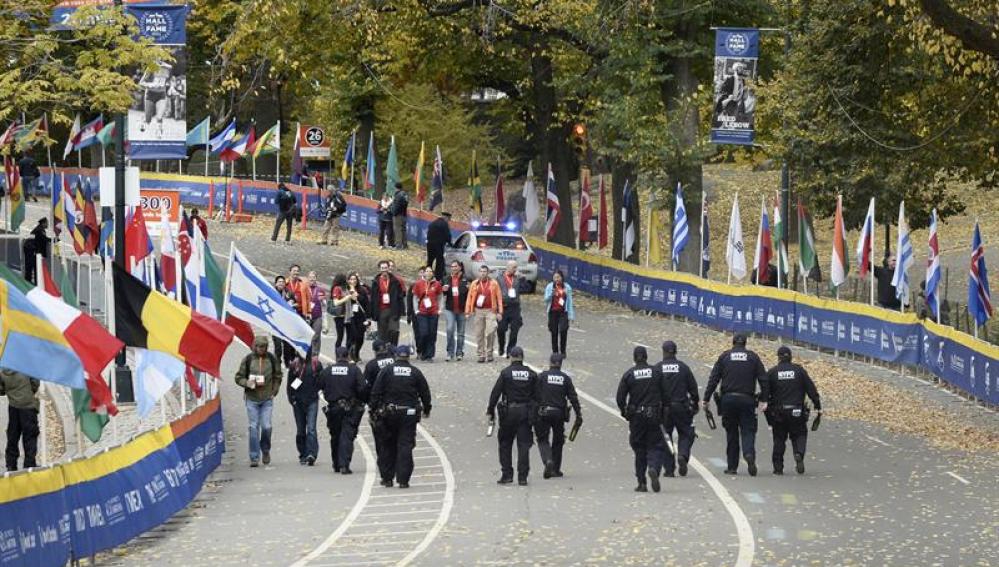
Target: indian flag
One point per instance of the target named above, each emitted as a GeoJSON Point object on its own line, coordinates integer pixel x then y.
{"type": "Point", "coordinates": [840, 264]}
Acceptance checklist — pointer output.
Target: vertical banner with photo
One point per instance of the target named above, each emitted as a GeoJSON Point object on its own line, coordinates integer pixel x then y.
{"type": "Point", "coordinates": [157, 119]}
{"type": "Point", "coordinates": [737, 51]}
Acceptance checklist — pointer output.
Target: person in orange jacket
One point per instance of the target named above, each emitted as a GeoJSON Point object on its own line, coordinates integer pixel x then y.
{"type": "Point", "coordinates": [485, 306]}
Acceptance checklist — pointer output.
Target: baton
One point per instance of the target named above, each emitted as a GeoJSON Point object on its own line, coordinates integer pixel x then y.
{"type": "Point", "coordinates": [575, 430]}
{"type": "Point", "coordinates": [816, 422]}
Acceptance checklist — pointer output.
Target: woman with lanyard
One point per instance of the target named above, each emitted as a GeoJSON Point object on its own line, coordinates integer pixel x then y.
{"type": "Point", "coordinates": [317, 297]}
{"type": "Point", "coordinates": [338, 290]}
{"type": "Point", "coordinates": [353, 299]}
{"type": "Point", "coordinates": [558, 304]}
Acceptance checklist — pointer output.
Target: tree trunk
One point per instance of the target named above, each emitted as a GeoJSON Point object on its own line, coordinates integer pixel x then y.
{"type": "Point", "coordinates": [680, 84]}
{"type": "Point", "coordinates": [551, 138]}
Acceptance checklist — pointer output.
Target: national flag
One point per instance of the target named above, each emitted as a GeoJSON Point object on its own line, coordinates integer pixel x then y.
{"type": "Point", "coordinates": [93, 345]}
{"type": "Point", "coordinates": [421, 189]}
{"type": "Point", "coordinates": [655, 238]}
{"type": "Point", "coordinates": [437, 181]}
{"type": "Point", "coordinates": [88, 134]}
{"type": "Point", "coordinates": [780, 231]}
{"type": "Point", "coordinates": [192, 382]}
{"type": "Point", "coordinates": [603, 237]}
{"type": "Point", "coordinates": [253, 299]}
{"type": "Point", "coordinates": [764, 246]}
{"type": "Point", "coordinates": [933, 268]}
{"type": "Point", "coordinates": [58, 207]}
{"type": "Point", "coordinates": [215, 277]}
{"type": "Point", "coordinates": [268, 143]}
{"type": "Point", "coordinates": [106, 246]}
{"type": "Point", "coordinates": [585, 207]}
{"type": "Point", "coordinates": [475, 186]}
{"type": "Point", "coordinates": [198, 136]}
{"type": "Point", "coordinates": [628, 221]}
{"type": "Point", "coordinates": [705, 237]}
{"type": "Point", "coordinates": [806, 244]}
{"type": "Point", "coordinates": [90, 219]}
{"type": "Point", "coordinates": [74, 134]}
{"type": "Point", "coordinates": [76, 209]}
{"type": "Point", "coordinates": [138, 245]}
{"type": "Point", "coordinates": [237, 147]}
{"type": "Point", "coordinates": [370, 165]}
{"type": "Point", "coordinates": [221, 141]}
{"type": "Point", "coordinates": [865, 244]}
{"type": "Point", "coordinates": [251, 141]}
{"type": "Point", "coordinates": [193, 251]}
{"type": "Point", "coordinates": [840, 262]}
{"type": "Point", "coordinates": [10, 134]}
{"type": "Point", "coordinates": [681, 230]}
{"type": "Point", "coordinates": [531, 209]}
{"type": "Point", "coordinates": [391, 168]}
{"type": "Point", "coordinates": [735, 250]}
{"type": "Point", "coordinates": [15, 191]}
{"type": "Point", "coordinates": [148, 319]}
{"type": "Point", "coordinates": [106, 136]}
{"type": "Point", "coordinates": [155, 374]}
{"type": "Point", "coordinates": [168, 258]}
{"type": "Point", "coordinates": [348, 160]}
{"type": "Point", "coordinates": [553, 213]}
{"type": "Point", "coordinates": [499, 198]}
{"type": "Point", "coordinates": [31, 344]}
{"type": "Point", "coordinates": [31, 133]}
{"type": "Point", "coordinates": [905, 260]}
{"type": "Point", "coordinates": [979, 296]}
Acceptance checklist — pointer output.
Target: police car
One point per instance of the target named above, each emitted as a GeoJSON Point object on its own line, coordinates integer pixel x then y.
{"type": "Point", "coordinates": [494, 246]}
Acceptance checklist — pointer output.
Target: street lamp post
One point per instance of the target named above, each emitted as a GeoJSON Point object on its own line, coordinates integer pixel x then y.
{"type": "Point", "coordinates": [122, 375]}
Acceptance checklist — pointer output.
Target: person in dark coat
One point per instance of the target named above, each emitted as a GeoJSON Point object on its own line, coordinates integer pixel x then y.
{"type": "Point", "coordinates": [37, 244]}
{"type": "Point", "coordinates": [886, 291]}
{"type": "Point", "coordinates": [29, 172]}
{"type": "Point", "coordinates": [400, 215]}
{"type": "Point", "coordinates": [438, 237]}
{"type": "Point", "coordinates": [286, 212]}
{"type": "Point", "coordinates": [304, 377]}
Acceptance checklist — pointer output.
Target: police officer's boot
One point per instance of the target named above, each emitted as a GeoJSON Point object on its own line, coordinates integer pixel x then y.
{"type": "Point", "coordinates": [522, 481]}
{"type": "Point", "coordinates": [654, 480]}
{"type": "Point", "coordinates": [682, 464]}
{"type": "Point", "coordinates": [799, 463]}
{"type": "Point", "coordinates": [505, 479]}
{"type": "Point", "coordinates": [778, 467]}
{"type": "Point", "coordinates": [751, 464]}
{"type": "Point", "coordinates": [549, 469]}
{"type": "Point", "coordinates": [641, 486]}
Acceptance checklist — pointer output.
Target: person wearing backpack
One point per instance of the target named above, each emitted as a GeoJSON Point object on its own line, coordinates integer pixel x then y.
{"type": "Point", "coordinates": [335, 206]}
{"type": "Point", "coordinates": [286, 212]}
{"type": "Point", "coordinates": [400, 214]}
{"type": "Point", "coordinates": [260, 377]}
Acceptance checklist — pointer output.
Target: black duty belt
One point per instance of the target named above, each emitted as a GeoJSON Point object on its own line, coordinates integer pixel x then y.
{"type": "Point", "coordinates": [738, 394]}
{"type": "Point", "coordinates": [517, 404]}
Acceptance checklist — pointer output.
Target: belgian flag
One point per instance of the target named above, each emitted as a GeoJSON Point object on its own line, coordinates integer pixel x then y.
{"type": "Point", "coordinates": [148, 319]}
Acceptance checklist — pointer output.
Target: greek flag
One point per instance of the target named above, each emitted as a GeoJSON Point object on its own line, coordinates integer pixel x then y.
{"type": "Point", "coordinates": [254, 300]}
{"type": "Point", "coordinates": [900, 280]}
{"type": "Point", "coordinates": [933, 268]}
{"type": "Point", "coordinates": [680, 229]}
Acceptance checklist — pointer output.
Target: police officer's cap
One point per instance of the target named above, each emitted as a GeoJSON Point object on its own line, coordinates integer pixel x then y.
{"type": "Point", "coordinates": [342, 352]}
{"type": "Point", "coordinates": [403, 351]}
{"type": "Point", "coordinates": [377, 345]}
{"type": "Point", "coordinates": [669, 346]}
{"type": "Point", "coordinates": [784, 353]}
{"type": "Point", "coordinates": [517, 353]}
{"type": "Point", "coordinates": [739, 339]}
{"type": "Point", "coordinates": [640, 354]}
{"type": "Point", "coordinates": [556, 359]}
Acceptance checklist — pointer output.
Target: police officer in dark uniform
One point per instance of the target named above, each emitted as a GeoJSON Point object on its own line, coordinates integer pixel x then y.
{"type": "Point", "coordinates": [517, 386]}
{"type": "Point", "coordinates": [554, 388]}
{"type": "Point", "coordinates": [787, 412]}
{"type": "Point", "coordinates": [640, 399]}
{"type": "Point", "coordinates": [342, 385]}
{"type": "Point", "coordinates": [738, 370]}
{"type": "Point", "coordinates": [399, 395]}
{"type": "Point", "coordinates": [680, 404]}
{"type": "Point", "coordinates": [384, 353]}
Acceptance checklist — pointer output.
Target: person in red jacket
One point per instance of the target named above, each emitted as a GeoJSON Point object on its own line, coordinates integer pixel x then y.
{"type": "Point", "coordinates": [426, 297]}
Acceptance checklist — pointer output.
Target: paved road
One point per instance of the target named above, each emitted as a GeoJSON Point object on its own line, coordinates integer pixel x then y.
{"type": "Point", "coordinates": [869, 497]}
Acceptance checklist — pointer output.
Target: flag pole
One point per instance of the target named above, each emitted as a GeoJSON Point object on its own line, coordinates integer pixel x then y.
{"type": "Point", "coordinates": [700, 250]}
{"type": "Point", "coordinates": [353, 158]}
{"type": "Point", "coordinates": [648, 239]}
{"type": "Point", "coordinates": [874, 226]}
{"type": "Point", "coordinates": [277, 155]}
{"type": "Point", "coordinates": [228, 279]}
{"type": "Point", "coordinates": [208, 133]}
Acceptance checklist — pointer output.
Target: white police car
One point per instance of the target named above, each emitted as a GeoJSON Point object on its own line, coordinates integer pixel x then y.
{"type": "Point", "coordinates": [494, 246]}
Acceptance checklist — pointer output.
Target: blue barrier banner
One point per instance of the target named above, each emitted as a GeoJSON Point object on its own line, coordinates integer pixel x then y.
{"type": "Point", "coordinates": [78, 509]}
{"type": "Point", "coordinates": [838, 325]}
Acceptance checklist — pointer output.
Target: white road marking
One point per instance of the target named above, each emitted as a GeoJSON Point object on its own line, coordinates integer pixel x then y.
{"type": "Point", "coordinates": [401, 504]}
{"type": "Point", "coordinates": [369, 481]}
{"type": "Point", "coordinates": [876, 440]}
{"type": "Point", "coordinates": [448, 500]}
{"type": "Point", "coordinates": [747, 543]}
{"type": "Point", "coordinates": [959, 478]}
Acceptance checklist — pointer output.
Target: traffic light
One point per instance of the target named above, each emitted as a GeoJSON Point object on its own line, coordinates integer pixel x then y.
{"type": "Point", "coordinates": [579, 141]}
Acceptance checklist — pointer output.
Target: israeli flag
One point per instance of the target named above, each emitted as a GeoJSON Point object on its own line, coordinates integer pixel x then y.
{"type": "Point", "coordinates": [254, 300]}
